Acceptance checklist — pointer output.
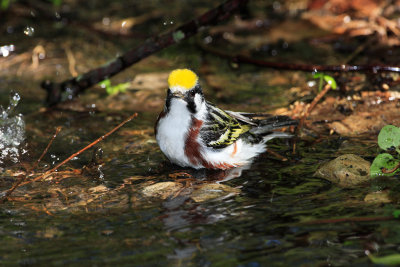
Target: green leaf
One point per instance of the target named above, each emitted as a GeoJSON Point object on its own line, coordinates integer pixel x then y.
{"type": "Point", "coordinates": [56, 2]}
{"type": "Point", "coordinates": [393, 259]}
{"type": "Point", "coordinates": [178, 36]}
{"type": "Point", "coordinates": [388, 137]}
{"type": "Point", "coordinates": [386, 161]}
{"type": "Point", "coordinates": [318, 75]}
{"type": "Point", "coordinates": [396, 214]}
{"type": "Point", "coordinates": [328, 79]}
{"type": "Point", "coordinates": [5, 4]}
{"type": "Point", "coordinates": [114, 89]}
{"type": "Point", "coordinates": [331, 81]}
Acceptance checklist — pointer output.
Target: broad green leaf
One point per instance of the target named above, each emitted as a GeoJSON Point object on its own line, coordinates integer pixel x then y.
{"type": "Point", "coordinates": [388, 137]}
{"type": "Point", "coordinates": [331, 81]}
{"type": "Point", "coordinates": [386, 161]}
{"type": "Point", "coordinates": [393, 259]}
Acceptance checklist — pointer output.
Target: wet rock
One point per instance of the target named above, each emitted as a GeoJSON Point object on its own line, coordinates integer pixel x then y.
{"type": "Point", "coordinates": [162, 190]}
{"type": "Point", "coordinates": [377, 197]}
{"type": "Point", "coordinates": [98, 189]}
{"type": "Point", "coordinates": [347, 170]}
{"type": "Point", "coordinates": [211, 191]}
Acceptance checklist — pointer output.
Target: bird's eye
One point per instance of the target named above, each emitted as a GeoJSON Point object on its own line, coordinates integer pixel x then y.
{"type": "Point", "coordinates": [192, 93]}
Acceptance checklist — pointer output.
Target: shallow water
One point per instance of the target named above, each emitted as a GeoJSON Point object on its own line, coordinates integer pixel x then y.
{"type": "Point", "coordinates": [268, 216]}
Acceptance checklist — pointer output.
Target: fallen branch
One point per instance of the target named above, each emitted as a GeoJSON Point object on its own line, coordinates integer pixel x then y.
{"type": "Point", "coordinates": [57, 92]}
{"type": "Point", "coordinates": [299, 67]}
{"type": "Point", "coordinates": [355, 219]}
{"type": "Point", "coordinates": [23, 181]}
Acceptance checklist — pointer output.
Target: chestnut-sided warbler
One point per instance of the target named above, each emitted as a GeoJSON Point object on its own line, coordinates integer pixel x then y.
{"type": "Point", "coordinates": [192, 132]}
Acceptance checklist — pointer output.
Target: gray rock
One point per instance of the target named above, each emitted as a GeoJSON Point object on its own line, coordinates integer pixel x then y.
{"type": "Point", "coordinates": [347, 170]}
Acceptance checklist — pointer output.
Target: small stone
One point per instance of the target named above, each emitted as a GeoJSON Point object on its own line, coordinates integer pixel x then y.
{"type": "Point", "coordinates": [98, 189]}
{"type": "Point", "coordinates": [347, 170]}
{"type": "Point", "coordinates": [162, 190]}
{"type": "Point", "coordinates": [211, 191]}
{"type": "Point", "coordinates": [377, 197]}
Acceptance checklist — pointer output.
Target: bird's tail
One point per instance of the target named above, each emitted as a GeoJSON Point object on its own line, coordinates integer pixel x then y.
{"type": "Point", "coordinates": [276, 122]}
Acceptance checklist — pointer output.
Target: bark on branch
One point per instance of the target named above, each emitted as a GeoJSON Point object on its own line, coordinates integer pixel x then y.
{"type": "Point", "coordinates": [300, 67]}
{"type": "Point", "coordinates": [57, 92]}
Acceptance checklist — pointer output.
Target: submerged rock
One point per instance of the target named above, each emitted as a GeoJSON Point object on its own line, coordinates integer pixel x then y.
{"type": "Point", "coordinates": [347, 170]}
{"type": "Point", "coordinates": [377, 197]}
{"type": "Point", "coordinates": [162, 190]}
{"type": "Point", "coordinates": [211, 191]}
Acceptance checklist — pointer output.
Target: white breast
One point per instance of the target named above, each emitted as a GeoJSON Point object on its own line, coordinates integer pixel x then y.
{"type": "Point", "coordinates": [172, 131]}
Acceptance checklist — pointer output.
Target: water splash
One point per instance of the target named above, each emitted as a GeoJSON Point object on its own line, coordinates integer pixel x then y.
{"type": "Point", "coordinates": [12, 132]}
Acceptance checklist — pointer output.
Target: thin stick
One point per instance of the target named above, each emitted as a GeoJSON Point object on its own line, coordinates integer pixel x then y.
{"type": "Point", "coordinates": [58, 129]}
{"type": "Point", "coordinates": [23, 178]}
{"type": "Point", "coordinates": [273, 153]}
{"type": "Point", "coordinates": [309, 109]}
{"type": "Point", "coordinates": [82, 150]}
{"type": "Point", "coordinates": [313, 104]}
{"type": "Point", "coordinates": [355, 219]}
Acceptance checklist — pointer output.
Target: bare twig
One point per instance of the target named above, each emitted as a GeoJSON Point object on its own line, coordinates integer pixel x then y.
{"type": "Point", "coordinates": [47, 148]}
{"type": "Point", "coordinates": [82, 150]}
{"type": "Point", "coordinates": [308, 111]}
{"type": "Point", "coordinates": [22, 178]}
{"type": "Point", "coordinates": [77, 85]}
{"type": "Point", "coordinates": [313, 104]}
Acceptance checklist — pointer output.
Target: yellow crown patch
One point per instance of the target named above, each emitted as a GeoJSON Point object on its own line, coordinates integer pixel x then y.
{"type": "Point", "coordinates": [182, 77]}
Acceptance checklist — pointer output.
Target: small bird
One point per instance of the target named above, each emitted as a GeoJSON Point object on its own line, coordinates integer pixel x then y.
{"type": "Point", "coordinates": [193, 132]}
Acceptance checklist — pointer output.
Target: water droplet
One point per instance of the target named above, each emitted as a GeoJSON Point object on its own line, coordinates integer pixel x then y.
{"type": "Point", "coordinates": [6, 49]}
{"type": "Point", "coordinates": [12, 132]}
{"type": "Point", "coordinates": [208, 39]}
{"type": "Point", "coordinates": [106, 21]}
{"type": "Point", "coordinates": [29, 31]}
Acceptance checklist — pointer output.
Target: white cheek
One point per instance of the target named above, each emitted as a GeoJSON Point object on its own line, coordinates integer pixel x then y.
{"type": "Point", "coordinates": [200, 106]}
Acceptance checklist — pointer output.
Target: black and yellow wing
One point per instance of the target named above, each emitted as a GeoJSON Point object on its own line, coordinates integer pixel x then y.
{"type": "Point", "coordinates": [221, 129]}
